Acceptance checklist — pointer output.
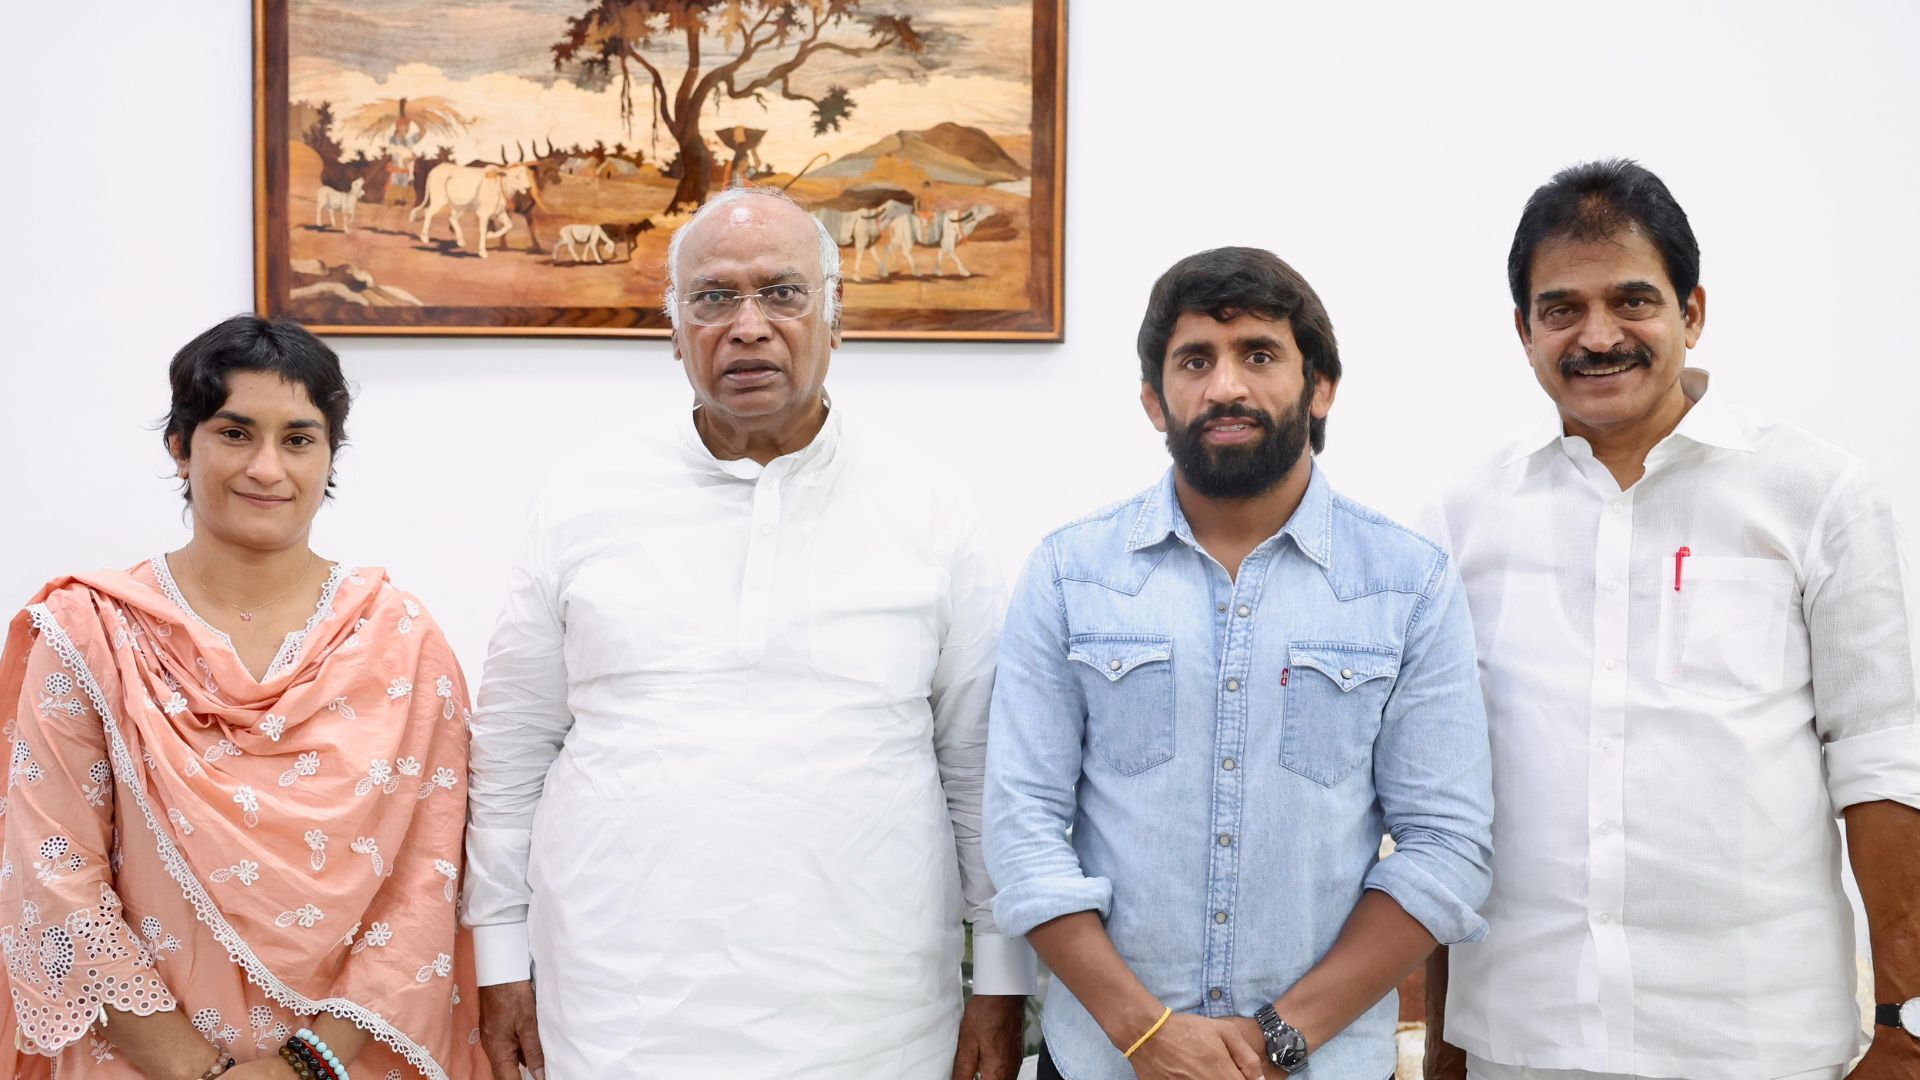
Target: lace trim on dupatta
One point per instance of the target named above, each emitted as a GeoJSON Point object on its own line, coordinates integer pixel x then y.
{"type": "Point", "coordinates": [289, 647]}
{"type": "Point", "coordinates": [196, 893]}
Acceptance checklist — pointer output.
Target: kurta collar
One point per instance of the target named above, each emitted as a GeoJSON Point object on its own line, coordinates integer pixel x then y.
{"type": "Point", "coordinates": [1311, 525]}
{"type": "Point", "coordinates": [1710, 422]}
{"type": "Point", "coordinates": [818, 452]}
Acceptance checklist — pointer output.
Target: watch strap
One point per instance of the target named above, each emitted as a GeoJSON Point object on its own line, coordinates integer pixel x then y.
{"type": "Point", "coordinates": [1286, 1047]}
{"type": "Point", "coordinates": [1888, 1016]}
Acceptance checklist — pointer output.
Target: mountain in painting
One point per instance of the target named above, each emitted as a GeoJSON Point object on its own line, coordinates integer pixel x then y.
{"type": "Point", "coordinates": [948, 153]}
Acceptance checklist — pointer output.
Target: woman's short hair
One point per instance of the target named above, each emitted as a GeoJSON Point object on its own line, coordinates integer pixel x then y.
{"type": "Point", "coordinates": [281, 347]}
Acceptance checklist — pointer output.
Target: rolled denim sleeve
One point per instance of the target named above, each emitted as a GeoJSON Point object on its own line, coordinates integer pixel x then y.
{"type": "Point", "coordinates": [1035, 732]}
{"type": "Point", "coordinates": [1433, 774]}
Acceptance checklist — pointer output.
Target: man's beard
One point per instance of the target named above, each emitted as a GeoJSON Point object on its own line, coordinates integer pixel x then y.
{"type": "Point", "coordinates": [1576, 364]}
{"type": "Point", "coordinates": [1240, 472]}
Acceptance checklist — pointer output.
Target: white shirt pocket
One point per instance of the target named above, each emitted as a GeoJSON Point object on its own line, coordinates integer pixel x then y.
{"type": "Point", "coordinates": [1723, 632]}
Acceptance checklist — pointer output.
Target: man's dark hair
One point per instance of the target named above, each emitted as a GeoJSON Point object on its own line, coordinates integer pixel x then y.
{"type": "Point", "coordinates": [1599, 200]}
{"type": "Point", "coordinates": [279, 347]}
{"type": "Point", "coordinates": [1226, 283]}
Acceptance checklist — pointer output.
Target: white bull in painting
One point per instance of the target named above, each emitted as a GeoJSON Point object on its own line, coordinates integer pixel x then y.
{"type": "Point", "coordinates": [486, 191]}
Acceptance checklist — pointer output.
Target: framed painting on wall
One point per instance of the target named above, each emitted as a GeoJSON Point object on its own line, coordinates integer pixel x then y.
{"type": "Point", "coordinates": [516, 167]}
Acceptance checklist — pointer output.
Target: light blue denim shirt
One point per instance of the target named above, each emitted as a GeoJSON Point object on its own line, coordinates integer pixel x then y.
{"type": "Point", "coordinates": [1227, 754]}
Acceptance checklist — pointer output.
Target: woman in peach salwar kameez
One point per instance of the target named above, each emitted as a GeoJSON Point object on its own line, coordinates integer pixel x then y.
{"type": "Point", "coordinates": [212, 843]}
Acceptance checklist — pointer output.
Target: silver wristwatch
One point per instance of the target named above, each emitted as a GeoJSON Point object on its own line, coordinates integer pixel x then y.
{"type": "Point", "coordinates": [1286, 1047]}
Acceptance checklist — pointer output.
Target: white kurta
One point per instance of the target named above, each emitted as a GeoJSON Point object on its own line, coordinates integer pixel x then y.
{"type": "Point", "coordinates": [1685, 681]}
{"type": "Point", "coordinates": [727, 766]}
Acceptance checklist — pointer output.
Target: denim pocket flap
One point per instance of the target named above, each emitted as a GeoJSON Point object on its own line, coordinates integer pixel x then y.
{"type": "Point", "coordinates": [1345, 665]}
{"type": "Point", "coordinates": [1335, 698]}
{"type": "Point", "coordinates": [1114, 655]}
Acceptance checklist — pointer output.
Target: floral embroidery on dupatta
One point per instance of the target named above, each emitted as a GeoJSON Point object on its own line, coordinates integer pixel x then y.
{"type": "Point", "coordinates": [50, 956]}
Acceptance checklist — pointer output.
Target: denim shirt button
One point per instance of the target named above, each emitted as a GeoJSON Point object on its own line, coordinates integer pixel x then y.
{"type": "Point", "coordinates": [1225, 839]}
{"type": "Point", "coordinates": [1233, 684]}
{"type": "Point", "coordinates": [1245, 611]}
{"type": "Point", "coordinates": [1227, 764]}
{"type": "Point", "coordinates": [1215, 993]}
{"type": "Point", "coordinates": [1346, 673]}
{"type": "Point", "coordinates": [1113, 665]}
{"type": "Point", "coordinates": [1219, 916]}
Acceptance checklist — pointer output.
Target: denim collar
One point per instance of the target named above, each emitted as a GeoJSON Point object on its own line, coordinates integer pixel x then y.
{"type": "Point", "coordinates": [1310, 527]}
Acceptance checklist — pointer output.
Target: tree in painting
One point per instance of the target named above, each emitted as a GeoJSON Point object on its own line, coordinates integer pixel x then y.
{"type": "Point", "coordinates": [617, 36]}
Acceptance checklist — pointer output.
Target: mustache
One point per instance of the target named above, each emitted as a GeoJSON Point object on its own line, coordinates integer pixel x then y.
{"type": "Point", "coordinates": [1258, 417]}
{"type": "Point", "coordinates": [1579, 363]}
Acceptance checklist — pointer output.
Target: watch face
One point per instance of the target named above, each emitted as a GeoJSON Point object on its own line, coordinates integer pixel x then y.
{"type": "Point", "coordinates": [1910, 1017]}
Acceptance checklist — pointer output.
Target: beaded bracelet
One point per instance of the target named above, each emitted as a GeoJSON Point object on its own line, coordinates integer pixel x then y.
{"type": "Point", "coordinates": [314, 1063]}
{"type": "Point", "coordinates": [319, 1046]}
{"type": "Point", "coordinates": [293, 1062]}
{"type": "Point", "coordinates": [220, 1065]}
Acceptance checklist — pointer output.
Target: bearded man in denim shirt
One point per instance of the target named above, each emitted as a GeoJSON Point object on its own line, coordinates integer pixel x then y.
{"type": "Point", "coordinates": [1213, 699]}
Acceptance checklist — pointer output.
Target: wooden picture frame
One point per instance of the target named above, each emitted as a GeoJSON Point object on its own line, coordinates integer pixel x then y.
{"type": "Point", "coordinates": [914, 107]}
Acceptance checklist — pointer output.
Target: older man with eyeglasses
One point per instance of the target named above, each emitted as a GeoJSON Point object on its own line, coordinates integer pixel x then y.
{"type": "Point", "coordinates": [728, 758]}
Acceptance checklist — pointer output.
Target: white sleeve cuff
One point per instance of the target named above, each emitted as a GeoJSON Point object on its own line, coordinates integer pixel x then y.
{"type": "Point", "coordinates": [1879, 765]}
{"type": "Point", "coordinates": [1003, 965]}
{"type": "Point", "coordinates": [501, 954]}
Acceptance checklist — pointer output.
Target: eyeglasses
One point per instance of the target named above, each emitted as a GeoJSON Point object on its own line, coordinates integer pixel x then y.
{"type": "Point", "coordinates": [778, 303]}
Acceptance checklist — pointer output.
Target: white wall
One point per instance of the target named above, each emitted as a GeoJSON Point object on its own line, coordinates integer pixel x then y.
{"type": "Point", "coordinates": [1384, 149]}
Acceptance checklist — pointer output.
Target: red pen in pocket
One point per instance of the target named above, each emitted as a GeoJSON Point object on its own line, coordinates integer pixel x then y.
{"type": "Point", "coordinates": [1679, 562]}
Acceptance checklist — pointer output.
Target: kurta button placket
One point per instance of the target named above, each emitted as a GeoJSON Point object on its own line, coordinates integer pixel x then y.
{"type": "Point", "coordinates": [1606, 772]}
{"type": "Point", "coordinates": [756, 585]}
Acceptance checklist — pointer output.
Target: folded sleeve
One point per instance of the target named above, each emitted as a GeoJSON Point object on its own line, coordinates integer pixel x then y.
{"type": "Point", "coordinates": [1433, 773]}
{"type": "Point", "coordinates": [1036, 728]}
{"type": "Point", "coordinates": [68, 949]}
{"type": "Point", "coordinates": [519, 725]}
{"type": "Point", "coordinates": [1858, 603]}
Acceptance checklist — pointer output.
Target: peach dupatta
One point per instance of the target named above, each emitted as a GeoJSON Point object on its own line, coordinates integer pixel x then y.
{"type": "Point", "coordinates": [308, 826]}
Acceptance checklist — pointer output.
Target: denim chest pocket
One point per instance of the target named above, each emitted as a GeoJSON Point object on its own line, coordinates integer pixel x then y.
{"type": "Point", "coordinates": [1128, 682]}
{"type": "Point", "coordinates": [1333, 696]}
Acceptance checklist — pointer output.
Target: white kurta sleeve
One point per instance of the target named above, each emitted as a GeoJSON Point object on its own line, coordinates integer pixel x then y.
{"type": "Point", "coordinates": [1859, 607]}
{"type": "Point", "coordinates": [521, 721]}
{"type": "Point", "coordinates": [962, 694]}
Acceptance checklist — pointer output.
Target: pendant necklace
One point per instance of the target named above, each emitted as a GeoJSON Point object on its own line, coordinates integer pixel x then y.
{"type": "Point", "coordinates": [246, 614]}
